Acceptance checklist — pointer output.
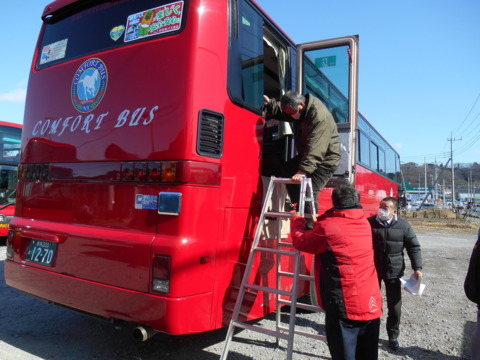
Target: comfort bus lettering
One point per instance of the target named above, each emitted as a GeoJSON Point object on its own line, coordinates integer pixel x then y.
{"type": "Point", "coordinates": [135, 118]}
{"type": "Point", "coordinates": [90, 122]}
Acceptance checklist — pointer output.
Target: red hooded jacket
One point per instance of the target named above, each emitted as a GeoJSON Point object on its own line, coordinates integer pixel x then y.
{"type": "Point", "coordinates": [345, 275]}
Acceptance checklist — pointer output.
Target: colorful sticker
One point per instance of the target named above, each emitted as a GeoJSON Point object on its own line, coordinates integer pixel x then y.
{"type": "Point", "coordinates": [146, 202]}
{"type": "Point", "coordinates": [89, 85]}
{"type": "Point", "coordinates": [52, 52]}
{"type": "Point", "coordinates": [155, 21]}
{"type": "Point", "coordinates": [117, 32]}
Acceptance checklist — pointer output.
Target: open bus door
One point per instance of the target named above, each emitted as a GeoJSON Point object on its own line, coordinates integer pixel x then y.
{"type": "Point", "coordinates": [328, 69]}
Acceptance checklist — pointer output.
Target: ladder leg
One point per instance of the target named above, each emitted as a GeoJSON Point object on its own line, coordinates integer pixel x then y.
{"type": "Point", "coordinates": [293, 306]}
{"type": "Point", "coordinates": [306, 195]}
{"type": "Point", "coordinates": [246, 274]}
{"type": "Point", "coordinates": [278, 263]}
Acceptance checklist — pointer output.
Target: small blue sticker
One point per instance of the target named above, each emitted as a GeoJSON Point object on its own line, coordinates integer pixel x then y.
{"type": "Point", "coordinates": [146, 202]}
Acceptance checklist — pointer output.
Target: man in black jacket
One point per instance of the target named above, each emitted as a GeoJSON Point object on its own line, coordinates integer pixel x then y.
{"type": "Point", "coordinates": [472, 290]}
{"type": "Point", "coordinates": [391, 235]}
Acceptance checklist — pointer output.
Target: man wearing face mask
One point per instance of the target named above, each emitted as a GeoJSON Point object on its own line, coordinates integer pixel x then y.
{"type": "Point", "coordinates": [316, 141]}
{"type": "Point", "coordinates": [391, 235]}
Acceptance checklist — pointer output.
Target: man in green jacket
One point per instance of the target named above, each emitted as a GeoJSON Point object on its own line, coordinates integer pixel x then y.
{"type": "Point", "coordinates": [316, 141]}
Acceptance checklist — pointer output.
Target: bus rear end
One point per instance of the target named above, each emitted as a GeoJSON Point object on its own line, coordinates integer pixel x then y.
{"type": "Point", "coordinates": [116, 196]}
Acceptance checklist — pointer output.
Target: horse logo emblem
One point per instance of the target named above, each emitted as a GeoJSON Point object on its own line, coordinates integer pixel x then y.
{"type": "Point", "coordinates": [89, 85]}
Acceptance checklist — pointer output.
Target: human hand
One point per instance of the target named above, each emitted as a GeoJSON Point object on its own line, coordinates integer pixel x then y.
{"type": "Point", "coordinates": [418, 274]}
{"type": "Point", "coordinates": [266, 100]}
{"type": "Point", "coordinates": [298, 176]}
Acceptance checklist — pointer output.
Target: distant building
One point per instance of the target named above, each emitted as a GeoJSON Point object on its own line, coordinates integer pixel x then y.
{"type": "Point", "coordinates": [417, 192]}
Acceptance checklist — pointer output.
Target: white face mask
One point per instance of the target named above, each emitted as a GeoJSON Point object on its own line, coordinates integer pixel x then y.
{"type": "Point", "coordinates": [296, 116]}
{"type": "Point", "coordinates": [383, 215]}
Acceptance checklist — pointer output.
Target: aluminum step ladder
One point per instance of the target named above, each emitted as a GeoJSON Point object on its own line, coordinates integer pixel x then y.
{"type": "Point", "coordinates": [280, 249]}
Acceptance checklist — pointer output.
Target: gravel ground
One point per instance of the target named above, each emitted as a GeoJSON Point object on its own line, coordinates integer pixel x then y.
{"type": "Point", "coordinates": [436, 326]}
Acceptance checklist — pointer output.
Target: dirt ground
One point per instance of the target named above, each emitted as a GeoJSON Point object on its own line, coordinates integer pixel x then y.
{"type": "Point", "coordinates": [436, 326]}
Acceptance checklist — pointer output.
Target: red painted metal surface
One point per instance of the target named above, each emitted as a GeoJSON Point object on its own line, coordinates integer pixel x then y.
{"type": "Point", "coordinates": [149, 112]}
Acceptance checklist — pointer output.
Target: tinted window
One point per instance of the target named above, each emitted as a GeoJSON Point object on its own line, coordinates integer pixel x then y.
{"type": "Point", "coordinates": [82, 29]}
{"type": "Point", "coordinates": [364, 149]}
{"type": "Point", "coordinates": [391, 163]}
{"type": "Point", "coordinates": [374, 156]}
{"type": "Point", "coordinates": [10, 139]}
{"type": "Point", "coordinates": [317, 83]}
{"type": "Point", "coordinates": [251, 39]}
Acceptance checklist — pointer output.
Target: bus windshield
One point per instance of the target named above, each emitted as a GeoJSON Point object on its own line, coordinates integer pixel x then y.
{"type": "Point", "coordinates": [105, 26]}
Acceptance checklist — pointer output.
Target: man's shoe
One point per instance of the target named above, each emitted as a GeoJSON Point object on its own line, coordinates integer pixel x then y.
{"type": "Point", "coordinates": [393, 344]}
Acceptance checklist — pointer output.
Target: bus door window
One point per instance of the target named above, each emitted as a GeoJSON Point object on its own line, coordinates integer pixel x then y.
{"type": "Point", "coordinates": [277, 135]}
{"type": "Point", "coordinates": [263, 71]}
{"type": "Point", "coordinates": [326, 74]}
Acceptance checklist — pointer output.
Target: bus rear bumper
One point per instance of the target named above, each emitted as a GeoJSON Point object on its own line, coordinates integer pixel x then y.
{"type": "Point", "coordinates": [169, 315]}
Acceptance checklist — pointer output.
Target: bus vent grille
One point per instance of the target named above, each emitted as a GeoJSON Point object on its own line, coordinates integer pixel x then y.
{"type": "Point", "coordinates": [210, 134]}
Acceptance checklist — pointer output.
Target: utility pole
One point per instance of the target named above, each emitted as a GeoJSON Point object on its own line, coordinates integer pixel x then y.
{"type": "Point", "coordinates": [453, 167]}
{"type": "Point", "coordinates": [425, 164]}
{"type": "Point", "coordinates": [444, 200]}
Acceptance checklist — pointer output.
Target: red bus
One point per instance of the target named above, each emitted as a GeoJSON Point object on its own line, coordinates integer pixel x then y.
{"type": "Point", "coordinates": [144, 146]}
{"type": "Point", "coordinates": [10, 139]}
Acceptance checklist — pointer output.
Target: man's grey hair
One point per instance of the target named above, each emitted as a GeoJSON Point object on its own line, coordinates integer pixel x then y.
{"type": "Point", "coordinates": [345, 196]}
{"type": "Point", "coordinates": [291, 99]}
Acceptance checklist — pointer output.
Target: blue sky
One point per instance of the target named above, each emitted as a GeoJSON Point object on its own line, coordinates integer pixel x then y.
{"type": "Point", "coordinates": [419, 74]}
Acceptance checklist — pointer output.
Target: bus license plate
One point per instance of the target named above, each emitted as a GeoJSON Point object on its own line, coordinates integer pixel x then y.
{"type": "Point", "coordinates": [41, 252]}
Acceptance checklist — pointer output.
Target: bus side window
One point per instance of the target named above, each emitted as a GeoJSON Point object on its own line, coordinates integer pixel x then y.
{"type": "Point", "coordinates": [251, 40]}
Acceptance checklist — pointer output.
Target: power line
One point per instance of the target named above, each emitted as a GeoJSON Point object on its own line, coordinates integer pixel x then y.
{"type": "Point", "coordinates": [471, 109]}
{"type": "Point", "coordinates": [471, 137]}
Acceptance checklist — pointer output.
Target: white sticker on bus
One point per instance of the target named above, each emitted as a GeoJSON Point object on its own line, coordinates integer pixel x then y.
{"type": "Point", "coordinates": [146, 202]}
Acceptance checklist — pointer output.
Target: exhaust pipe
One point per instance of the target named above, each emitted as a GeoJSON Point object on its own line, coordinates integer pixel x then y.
{"type": "Point", "coordinates": [143, 333]}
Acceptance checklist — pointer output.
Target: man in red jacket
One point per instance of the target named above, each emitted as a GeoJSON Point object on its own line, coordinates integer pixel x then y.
{"type": "Point", "coordinates": [346, 279]}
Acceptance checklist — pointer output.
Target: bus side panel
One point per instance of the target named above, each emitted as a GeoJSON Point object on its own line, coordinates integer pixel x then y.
{"type": "Point", "coordinates": [373, 188]}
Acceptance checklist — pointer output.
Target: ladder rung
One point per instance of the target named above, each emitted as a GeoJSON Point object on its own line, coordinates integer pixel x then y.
{"type": "Point", "coordinates": [273, 215]}
{"type": "Point", "coordinates": [274, 251]}
{"type": "Point", "coordinates": [300, 276]}
{"type": "Point", "coordinates": [305, 333]}
{"type": "Point", "coordinates": [278, 180]}
{"type": "Point", "coordinates": [301, 305]}
{"type": "Point", "coordinates": [278, 214]}
{"type": "Point", "coordinates": [269, 290]}
{"type": "Point", "coordinates": [260, 330]}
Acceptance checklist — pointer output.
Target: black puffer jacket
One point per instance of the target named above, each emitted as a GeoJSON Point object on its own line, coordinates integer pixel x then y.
{"type": "Point", "coordinates": [388, 245]}
{"type": "Point", "coordinates": [472, 280]}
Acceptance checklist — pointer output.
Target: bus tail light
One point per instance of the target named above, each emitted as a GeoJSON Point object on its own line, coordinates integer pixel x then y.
{"type": "Point", "coordinates": [161, 271]}
{"type": "Point", "coordinates": [156, 171]}
{"type": "Point", "coordinates": [169, 171]}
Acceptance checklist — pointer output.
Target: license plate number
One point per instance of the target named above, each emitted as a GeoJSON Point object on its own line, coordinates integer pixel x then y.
{"type": "Point", "coordinates": [41, 252]}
